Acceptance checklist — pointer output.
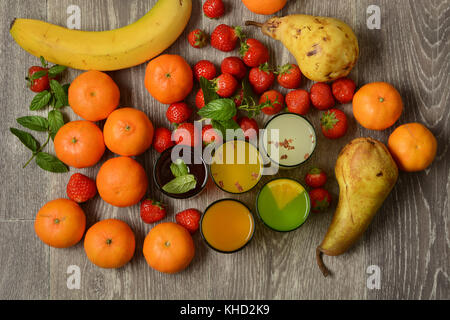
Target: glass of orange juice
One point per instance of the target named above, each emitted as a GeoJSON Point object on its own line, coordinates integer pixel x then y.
{"type": "Point", "coordinates": [227, 225]}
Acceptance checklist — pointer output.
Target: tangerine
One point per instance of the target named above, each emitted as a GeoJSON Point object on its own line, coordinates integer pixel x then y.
{"type": "Point", "coordinates": [265, 7]}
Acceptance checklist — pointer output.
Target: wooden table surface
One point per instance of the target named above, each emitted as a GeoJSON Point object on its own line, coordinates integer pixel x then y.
{"type": "Point", "coordinates": [408, 240]}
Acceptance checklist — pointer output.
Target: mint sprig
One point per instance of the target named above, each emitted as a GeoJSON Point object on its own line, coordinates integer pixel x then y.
{"type": "Point", "coordinates": [183, 181]}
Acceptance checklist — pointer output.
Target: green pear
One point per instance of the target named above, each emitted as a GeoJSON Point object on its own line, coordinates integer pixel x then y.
{"type": "Point", "coordinates": [366, 174]}
{"type": "Point", "coordinates": [326, 49]}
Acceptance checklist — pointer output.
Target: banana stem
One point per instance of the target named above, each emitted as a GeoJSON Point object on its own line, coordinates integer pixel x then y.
{"type": "Point", "coordinates": [253, 23]}
{"type": "Point", "coordinates": [320, 263]}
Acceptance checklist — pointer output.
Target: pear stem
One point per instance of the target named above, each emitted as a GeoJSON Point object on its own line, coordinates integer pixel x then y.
{"type": "Point", "coordinates": [320, 263]}
{"type": "Point", "coordinates": [253, 23]}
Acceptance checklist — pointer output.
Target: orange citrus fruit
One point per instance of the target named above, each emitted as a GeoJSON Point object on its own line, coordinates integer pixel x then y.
{"type": "Point", "coordinates": [264, 6]}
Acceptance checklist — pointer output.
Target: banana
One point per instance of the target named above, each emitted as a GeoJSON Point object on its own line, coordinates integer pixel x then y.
{"type": "Point", "coordinates": [106, 50]}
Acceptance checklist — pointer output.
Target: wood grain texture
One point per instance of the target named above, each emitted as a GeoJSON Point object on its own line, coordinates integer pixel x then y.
{"type": "Point", "coordinates": [409, 238]}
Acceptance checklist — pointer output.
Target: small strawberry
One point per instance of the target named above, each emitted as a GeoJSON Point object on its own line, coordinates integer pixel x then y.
{"type": "Point", "coordinates": [320, 199]}
{"type": "Point", "coordinates": [261, 78]}
{"type": "Point", "coordinates": [298, 101]}
{"type": "Point", "coordinates": [344, 90]}
{"type": "Point", "coordinates": [210, 135]}
{"type": "Point", "coordinates": [199, 99]}
{"type": "Point", "coordinates": [205, 69]}
{"type": "Point", "coordinates": [238, 97]}
{"type": "Point", "coordinates": [197, 38]}
{"type": "Point", "coordinates": [254, 53]}
{"type": "Point", "coordinates": [225, 85]}
{"type": "Point", "coordinates": [190, 219]}
{"type": "Point", "coordinates": [225, 38]}
{"type": "Point", "coordinates": [321, 96]}
{"type": "Point", "coordinates": [334, 124]}
{"type": "Point", "coordinates": [40, 84]}
{"type": "Point", "coordinates": [186, 134]}
{"type": "Point", "coordinates": [162, 139]}
{"type": "Point", "coordinates": [81, 188]}
{"type": "Point", "coordinates": [289, 76]}
{"type": "Point", "coordinates": [250, 127]}
{"type": "Point", "coordinates": [316, 178]}
{"type": "Point", "coordinates": [271, 102]}
{"type": "Point", "coordinates": [213, 9]}
{"type": "Point", "coordinates": [178, 112]}
{"type": "Point", "coordinates": [234, 66]}
{"type": "Point", "coordinates": [152, 211]}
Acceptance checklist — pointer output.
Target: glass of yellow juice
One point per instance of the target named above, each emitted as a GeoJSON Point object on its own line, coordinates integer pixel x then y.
{"type": "Point", "coordinates": [236, 166]}
{"type": "Point", "coordinates": [227, 225]}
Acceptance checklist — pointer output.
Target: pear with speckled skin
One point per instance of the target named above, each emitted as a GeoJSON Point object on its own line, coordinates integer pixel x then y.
{"type": "Point", "coordinates": [366, 174]}
{"type": "Point", "coordinates": [326, 49]}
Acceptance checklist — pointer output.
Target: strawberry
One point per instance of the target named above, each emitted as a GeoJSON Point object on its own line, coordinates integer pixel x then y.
{"type": "Point", "coordinates": [261, 78]}
{"type": "Point", "coordinates": [298, 101]}
{"type": "Point", "coordinates": [205, 69]}
{"type": "Point", "coordinates": [190, 219]}
{"type": "Point", "coordinates": [316, 178]}
{"type": "Point", "coordinates": [250, 127]}
{"type": "Point", "coordinates": [344, 90]}
{"type": "Point", "coordinates": [199, 99]}
{"type": "Point", "coordinates": [178, 112]}
{"type": "Point", "coordinates": [320, 199]}
{"type": "Point", "coordinates": [238, 97]}
{"type": "Point", "coordinates": [321, 96]}
{"type": "Point", "coordinates": [152, 211]}
{"type": "Point", "coordinates": [225, 38]}
{"type": "Point", "coordinates": [81, 188]}
{"type": "Point", "coordinates": [210, 135]}
{"type": "Point", "coordinates": [254, 53]}
{"type": "Point", "coordinates": [225, 85]}
{"type": "Point", "coordinates": [40, 84]}
{"type": "Point", "coordinates": [213, 9]}
{"type": "Point", "coordinates": [162, 139]}
{"type": "Point", "coordinates": [234, 66]}
{"type": "Point", "coordinates": [334, 124]}
{"type": "Point", "coordinates": [289, 76]}
{"type": "Point", "coordinates": [186, 134]}
{"type": "Point", "coordinates": [197, 38]}
{"type": "Point", "coordinates": [271, 102]}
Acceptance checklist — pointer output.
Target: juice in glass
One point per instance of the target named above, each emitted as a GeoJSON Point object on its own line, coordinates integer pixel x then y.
{"type": "Point", "coordinates": [227, 225]}
{"type": "Point", "coordinates": [283, 204]}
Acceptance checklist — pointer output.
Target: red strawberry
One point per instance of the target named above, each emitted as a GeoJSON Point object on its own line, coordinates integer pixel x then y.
{"type": "Point", "coordinates": [210, 135]}
{"type": "Point", "coordinates": [178, 112]}
{"type": "Point", "coordinates": [334, 124]}
{"type": "Point", "coordinates": [225, 38]}
{"type": "Point", "coordinates": [213, 9]}
{"type": "Point", "coordinates": [254, 53]}
{"type": "Point", "coordinates": [162, 139]}
{"type": "Point", "coordinates": [316, 178]}
{"type": "Point", "coordinates": [271, 102]}
{"type": "Point", "coordinates": [261, 78]}
{"type": "Point", "coordinates": [40, 84]}
{"type": "Point", "coordinates": [344, 90]}
{"type": "Point", "coordinates": [321, 96]}
{"type": "Point", "coordinates": [186, 134]}
{"type": "Point", "coordinates": [197, 38]}
{"type": "Point", "coordinates": [81, 188]}
{"type": "Point", "coordinates": [190, 219]}
{"type": "Point", "coordinates": [152, 211]}
{"type": "Point", "coordinates": [298, 101]}
{"type": "Point", "coordinates": [225, 85]}
{"type": "Point", "coordinates": [320, 199]}
{"type": "Point", "coordinates": [205, 69]}
{"type": "Point", "coordinates": [234, 66]}
{"type": "Point", "coordinates": [290, 76]}
{"type": "Point", "coordinates": [199, 99]}
{"type": "Point", "coordinates": [250, 127]}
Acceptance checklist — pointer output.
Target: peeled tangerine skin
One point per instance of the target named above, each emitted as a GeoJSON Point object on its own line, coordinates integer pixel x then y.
{"type": "Point", "coordinates": [366, 174]}
{"type": "Point", "coordinates": [326, 49]}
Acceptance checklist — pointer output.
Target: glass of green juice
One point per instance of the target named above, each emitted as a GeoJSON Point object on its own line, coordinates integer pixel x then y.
{"type": "Point", "coordinates": [283, 204]}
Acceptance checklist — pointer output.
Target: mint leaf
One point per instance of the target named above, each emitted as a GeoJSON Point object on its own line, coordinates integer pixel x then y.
{"type": "Point", "coordinates": [209, 94]}
{"type": "Point", "coordinates": [181, 184]}
{"type": "Point", "coordinates": [36, 123]}
{"type": "Point", "coordinates": [179, 168]}
{"type": "Point", "coordinates": [55, 70]}
{"type": "Point", "coordinates": [55, 122]}
{"type": "Point", "coordinates": [27, 139]}
{"type": "Point", "coordinates": [43, 62]}
{"type": "Point", "coordinates": [60, 94]}
{"type": "Point", "coordinates": [38, 75]}
{"type": "Point", "coordinates": [219, 109]}
{"type": "Point", "coordinates": [50, 163]}
{"type": "Point", "coordinates": [40, 100]}
{"type": "Point", "coordinates": [219, 127]}
{"type": "Point", "coordinates": [249, 96]}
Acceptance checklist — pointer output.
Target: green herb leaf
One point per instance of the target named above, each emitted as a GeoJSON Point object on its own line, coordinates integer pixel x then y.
{"type": "Point", "coordinates": [225, 125]}
{"type": "Point", "coordinates": [209, 94]}
{"type": "Point", "coordinates": [43, 62]}
{"type": "Point", "coordinates": [179, 168]}
{"type": "Point", "coordinates": [50, 163]}
{"type": "Point", "coordinates": [181, 184]}
{"type": "Point", "coordinates": [219, 127]}
{"type": "Point", "coordinates": [249, 96]}
{"type": "Point", "coordinates": [27, 139]}
{"type": "Point", "coordinates": [55, 70]}
{"type": "Point", "coordinates": [36, 123]}
{"type": "Point", "coordinates": [219, 109]}
{"type": "Point", "coordinates": [55, 122]}
{"type": "Point", "coordinates": [40, 100]}
{"type": "Point", "coordinates": [38, 75]}
{"type": "Point", "coordinates": [60, 94]}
